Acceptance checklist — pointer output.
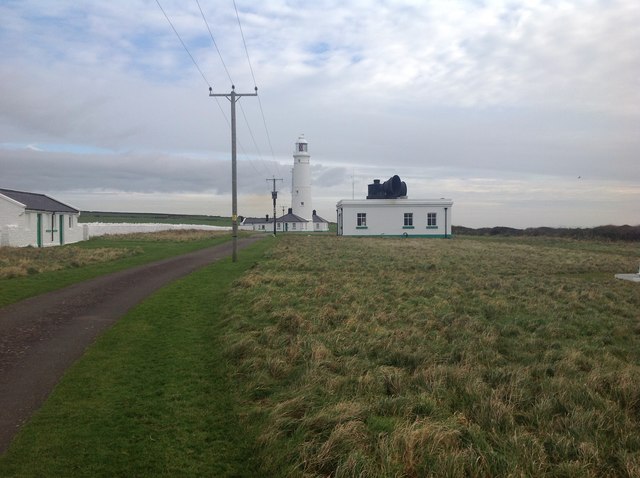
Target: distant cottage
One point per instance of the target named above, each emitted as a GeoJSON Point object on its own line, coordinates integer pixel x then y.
{"type": "Point", "coordinates": [31, 219]}
{"type": "Point", "coordinates": [388, 212]}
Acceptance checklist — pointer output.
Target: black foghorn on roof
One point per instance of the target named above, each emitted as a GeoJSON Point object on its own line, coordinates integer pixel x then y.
{"type": "Point", "coordinates": [394, 188]}
{"type": "Point", "coordinates": [38, 202]}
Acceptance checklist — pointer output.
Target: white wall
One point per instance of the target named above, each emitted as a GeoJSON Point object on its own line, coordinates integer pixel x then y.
{"type": "Point", "coordinates": [22, 231]}
{"type": "Point", "coordinates": [94, 229]}
{"type": "Point", "coordinates": [299, 227]}
{"type": "Point", "coordinates": [320, 226]}
{"type": "Point", "coordinates": [12, 223]}
{"type": "Point", "coordinates": [19, 228]}
{"type": "Point", "coordinates": [70, 232]}
{"type": "Point", "coordinates": [385, 217]}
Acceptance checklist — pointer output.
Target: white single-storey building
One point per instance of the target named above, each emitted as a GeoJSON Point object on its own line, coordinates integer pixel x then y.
{"type": "Point", "coordinates": [30, 219]}
{"type": "Point", "coordinates": [388, 212]}
{"type": "Point", "coordinates": [288, 223]}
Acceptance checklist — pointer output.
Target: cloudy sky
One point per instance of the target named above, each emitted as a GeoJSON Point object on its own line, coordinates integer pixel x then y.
{"type": "Point", "coordinates": [525, 113]}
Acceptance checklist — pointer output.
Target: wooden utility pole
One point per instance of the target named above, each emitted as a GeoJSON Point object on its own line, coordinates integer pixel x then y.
{"type": "Point", "coordinates": [233, 97]}
{"type": "Point", "coordinates": [274, 196]}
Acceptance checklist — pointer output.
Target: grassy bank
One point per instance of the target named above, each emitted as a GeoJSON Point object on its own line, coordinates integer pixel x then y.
{"type": "Point", "coordinates": [25, 272]}
{"type": "Point", "coordinates": [151, 398]}
{"type": "Point", "coordinates": [381, 357]}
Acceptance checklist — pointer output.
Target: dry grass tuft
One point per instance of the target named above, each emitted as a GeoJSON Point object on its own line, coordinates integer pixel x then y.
{"type": "Point", "coordinates": [24, 261]}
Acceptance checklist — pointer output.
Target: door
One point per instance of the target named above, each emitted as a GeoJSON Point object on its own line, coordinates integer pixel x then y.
{"type": "Point", "coordinates": [39, 233]}
{"type": "Point", "coordinates": [61, 229]}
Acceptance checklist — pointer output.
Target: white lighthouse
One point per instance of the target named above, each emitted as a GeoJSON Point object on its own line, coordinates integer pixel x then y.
{"type": "Point", "coordinates": [301, 181]}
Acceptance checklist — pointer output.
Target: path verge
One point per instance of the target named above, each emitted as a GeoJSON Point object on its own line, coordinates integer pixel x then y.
{"type": "Point", "coordinates": [42, 336]}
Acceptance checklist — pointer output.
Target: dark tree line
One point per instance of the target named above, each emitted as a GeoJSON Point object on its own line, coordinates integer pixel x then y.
{"type": "Point", "coordinates": [613, 233]}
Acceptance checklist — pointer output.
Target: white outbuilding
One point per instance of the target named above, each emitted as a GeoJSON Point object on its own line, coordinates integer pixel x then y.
{"type": "Point", "coordinates": [31, 219]}
{"type": "Point", "coordinates": [289, 222]}
{"type": "Point", "coordinates": [388, 211]}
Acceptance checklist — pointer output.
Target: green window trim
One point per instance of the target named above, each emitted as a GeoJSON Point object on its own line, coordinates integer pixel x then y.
{"type": "Point", "coordinates": [362, 227]}
{"type": "Point", "coordinates": [432, 227]}
{"type": "Point", "coordinates": [408, 227]}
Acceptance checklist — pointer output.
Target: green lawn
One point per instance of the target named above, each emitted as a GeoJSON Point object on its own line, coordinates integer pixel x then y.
{"type": "Point", "coordinates": [152, 397]}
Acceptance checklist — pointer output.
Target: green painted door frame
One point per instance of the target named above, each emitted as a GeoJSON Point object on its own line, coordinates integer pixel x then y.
{"type": "Point", "coordinates": [39, 226]}
{"type": "Point", "coordinates": [61, 229]}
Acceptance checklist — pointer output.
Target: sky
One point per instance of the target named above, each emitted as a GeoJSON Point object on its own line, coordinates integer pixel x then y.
{"type": "Point", "coordinates": [524, 113]}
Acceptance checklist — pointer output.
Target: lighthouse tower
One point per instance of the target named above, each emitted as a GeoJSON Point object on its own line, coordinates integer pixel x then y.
{"type": "Point", "coordinates": [301, 182]}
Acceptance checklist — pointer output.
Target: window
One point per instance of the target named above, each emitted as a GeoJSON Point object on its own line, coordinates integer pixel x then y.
{"type": "Point", "coordinates": [432, 219]}
{"type": "Point", "coordinates": [70, 222]}
{"type": "Point", "coordinates": [408, 219]}
{"type": "Point", "coordinates": [302, 147]}
{"type": "Point", "coordinates": [293, 225]}
{"type": "Point", "coordinates": [361, 219]}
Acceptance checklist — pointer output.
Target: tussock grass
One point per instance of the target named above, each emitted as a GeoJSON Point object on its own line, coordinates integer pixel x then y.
{"type": "Point", "coordinates": [384, 357]}
{"type": "Point", "coordinates": [21, 261]}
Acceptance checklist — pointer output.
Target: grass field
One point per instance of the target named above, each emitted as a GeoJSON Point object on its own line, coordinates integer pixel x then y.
{"type": "Point", "coordinates": [138, 217]}
{"type": "Point", "coordinates": [379, 357]}
{"type": "Point", "coordinates": [28, 271]}
{"type": "Point", "coordinates": [371, 357]}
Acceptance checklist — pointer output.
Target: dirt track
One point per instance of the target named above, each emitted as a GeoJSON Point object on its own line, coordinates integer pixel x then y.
{"type": "Point", "coordinates": [42, 336]}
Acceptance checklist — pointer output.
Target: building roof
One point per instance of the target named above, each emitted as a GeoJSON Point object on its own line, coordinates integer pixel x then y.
{"type": "Point", "coordinates": [291, 218]}
{"type": "Point", "coordinates": [37, 202]}
{"type": "Point", "coordinates": [317, 218]}
{"type": "Point", "coordinates": [395, 202]}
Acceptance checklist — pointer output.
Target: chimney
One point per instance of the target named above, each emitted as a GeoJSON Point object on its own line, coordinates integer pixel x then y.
{"type": "Point", "coordinates": [314, 212]}
{"type": "Point", "coordinates": [290, 210]}
{"type": "Point", "coordinates": [267, 218]}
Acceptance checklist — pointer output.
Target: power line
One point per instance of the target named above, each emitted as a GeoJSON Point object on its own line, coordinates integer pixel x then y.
{"type": "Point", "coordinates": [244, 43]}
{"type": "Point", "coordinates": [244, 115]}
{"type": "Point", "coordinates": [208, 84]}
{"type": "Point", "coordinates": [183, 44]}
{"type": "Point", "coordinates": [206, 81]}
{"type": "Point", "coordinates": [254, 139]}
{"type": "Point", "coordinates": [214, 43]}
{"type": "Point", "coordinates": [264, 121]}
{"type": "Point", "coordinates": [193, 60]}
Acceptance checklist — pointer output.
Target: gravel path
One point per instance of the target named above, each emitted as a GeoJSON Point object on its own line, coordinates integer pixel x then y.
{"type": "Point", "coordinates": [42, 336]}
